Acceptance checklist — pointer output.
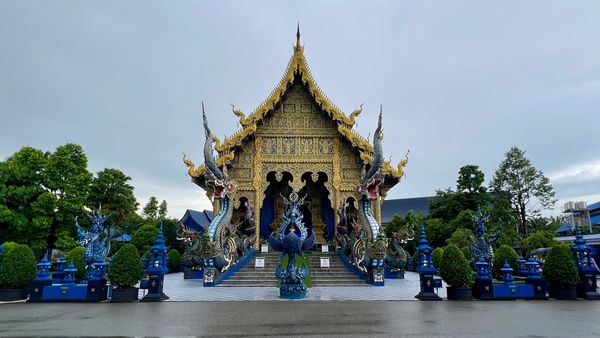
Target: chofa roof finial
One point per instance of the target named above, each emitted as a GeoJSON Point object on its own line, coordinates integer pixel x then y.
{"type": "Point", "coordinates": [298, 36]}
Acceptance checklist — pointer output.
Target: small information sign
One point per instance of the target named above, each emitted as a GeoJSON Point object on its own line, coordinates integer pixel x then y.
{"type": "Point", "coordinates": [259, 263]}
{"type": "Point", "coordinates": [264, 248]}
{"type": "Point", "coordinates": [325, 249]}
{"type": "Point", "coordinates": [324, 262]}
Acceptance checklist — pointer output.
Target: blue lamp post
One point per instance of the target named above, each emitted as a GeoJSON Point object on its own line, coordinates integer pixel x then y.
{"type": "Point", "coordinates": [426, 269]}
{"type": "Point", "coordinates": [483, 282]}
{"type": "Point", "coordinates": [157, 268]}
{"type": "Point", "coordinates": [540, 286]}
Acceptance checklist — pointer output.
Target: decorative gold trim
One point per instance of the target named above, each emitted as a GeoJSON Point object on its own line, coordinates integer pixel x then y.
{"type": "Point", "coordinates": [399, 172]}
{"type": "Point", "coordinates": [192, 170]}
{"type": "Point", "coordinates": [256, 179]}
{"type": "Point", "coordinates": [337, 178]}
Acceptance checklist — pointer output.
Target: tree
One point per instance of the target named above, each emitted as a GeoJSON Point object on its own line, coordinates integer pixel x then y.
{"type": "Point", "coordinates": [524, 184]}
{"type": "Point", "coordinates": [111, 190]}
{"type": "Point", "coordinates": [23, 218]}
{"type": "Point", "coordinates": [461, 238]}
{"type": "Point", "coordinates": [538, 239]}
{"type": "Point", "coordinates": [469, 185]}
{"type": "Point", "coordinates": [68, 180]}
{"type": "Point", "coordinates": [144, 237]}
{"type": "Point", "coordinates": [150, 211]}
{"type": "Point", "coordinates": [162, 210]}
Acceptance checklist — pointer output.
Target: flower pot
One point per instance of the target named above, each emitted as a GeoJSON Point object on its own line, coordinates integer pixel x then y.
{"type": "Point", "coordinates": [459, 293]}
{"type": "Point", "coordinates": [7, 295]}
{"type": "Point", "coordinates": [124, 295]}
{"type": "Point", "coordinates": [567, 293]}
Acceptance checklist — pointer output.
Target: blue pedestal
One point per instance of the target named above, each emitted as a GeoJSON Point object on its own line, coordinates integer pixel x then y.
{"type": "Point", "coordinates": [65, 293]}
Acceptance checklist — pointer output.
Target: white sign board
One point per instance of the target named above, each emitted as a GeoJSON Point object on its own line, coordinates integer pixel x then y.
{"type": "Point", "coordinates": [259, 263]}
{"type": "Point", "coordinates": [325, 249]}
{"type": "Point", "coordinates": [264, 248]}
{"type": "Point", "coordinates": [324, 262]}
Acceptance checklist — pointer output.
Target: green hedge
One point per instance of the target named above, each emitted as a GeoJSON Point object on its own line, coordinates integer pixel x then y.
{"type": "Point", "coordinates": [559, 268]}
{"type": "Point", "coordinates": [125, 269]}
{"type": "Point", "coordinates": [174, 260]}
{"type": "Point", "coordinates": [454, 268]}
{"type": "Point", "coordinates": [18, 267]}
{"type": "Point", "coordinates": [504, 253]}
{"type": "Point", "coordinates": [76, 256]}
{"type": "Point", "coordinates": [436, 257]}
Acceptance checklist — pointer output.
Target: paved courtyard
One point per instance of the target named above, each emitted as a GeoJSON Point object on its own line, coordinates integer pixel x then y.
{"type": "Point", "coordinates": [179, 289]}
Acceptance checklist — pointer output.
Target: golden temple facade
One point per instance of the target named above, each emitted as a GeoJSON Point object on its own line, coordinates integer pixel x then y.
{"type": "Point", "coordinates": [296, 139]}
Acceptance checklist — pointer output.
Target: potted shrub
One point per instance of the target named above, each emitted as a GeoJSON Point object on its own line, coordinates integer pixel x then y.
{"type": "Point", "coordinates": [174, 260]}
{"type": "Point", "coordinates": [75, 255]}
{"type": "Point", "coordinates": [560, 271]}
{"type": "Point", "coordinates": [504, 253]}
{"type": "Point", "coordinates": [17, 270]}
{"type": "Point", "coordinates": [124, 273]}
{"type": "Point", "coordinates": [436, 256]}
{"type": "Point", "coordinates": [457, 273]}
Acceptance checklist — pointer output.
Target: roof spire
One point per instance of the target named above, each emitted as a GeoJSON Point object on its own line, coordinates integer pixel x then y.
{"type": "Point", "coordinates": [298, 36]}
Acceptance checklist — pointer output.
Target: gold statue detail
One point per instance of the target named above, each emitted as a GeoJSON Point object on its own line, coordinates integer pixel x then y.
{"type": "Point", "coordinates": [399, 172]}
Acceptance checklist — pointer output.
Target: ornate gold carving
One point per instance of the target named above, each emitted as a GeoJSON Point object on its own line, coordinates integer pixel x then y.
{"type": "Point", "coordinates": [244, 122]}
{"type": "Point", "coordinates": [397, 173]}
{"type": "Point", "coordinates": [355, 138]}
{"type": "Point", "coordinates": [235, 139]}
{"type": "Point", "coordinates": [351, 120]}
{"type": "Point", "coordinates": [192, 170]}
{"type": "Point", "coordinates": [366, 158]}
{"type": "Point", "coordinates": [337, 179]}
{"type": "Point", "coordinates": [256, 180]}
{"type": "Point", "coordinates": [269, 146]}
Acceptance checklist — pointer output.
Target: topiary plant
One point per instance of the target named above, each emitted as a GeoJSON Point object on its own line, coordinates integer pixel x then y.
{"type": "Point", "coordinates": [467, 253]}
{"type": "Point", "coordinates": [125, 269]}
{"type": "Point", "coordinates": [174, 260]}
{"type": "Point", "coordinates": [454, 268]}
{"type": "Point", "coordinates": [436, 256]}
{"type": "Point", "coordinates": [559, 269]}
{"type": "Point", "coordinates": [76, 256]}
{"type": "Point", "coordinates": [504, 253]}
{"type": "Point", "coordinates": [18, 267]}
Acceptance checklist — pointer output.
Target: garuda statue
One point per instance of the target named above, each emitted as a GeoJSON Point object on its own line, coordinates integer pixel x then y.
{"type": "Point", "coordinates": [96, 241]}
{"type": "Point", "coordinates": [292, 239]}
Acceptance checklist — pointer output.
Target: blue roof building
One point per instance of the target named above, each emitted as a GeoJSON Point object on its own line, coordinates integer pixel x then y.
{"type": "Point", "coordinates": [197, 220]}
{"type": "Point", "coordinates": [401, 207]}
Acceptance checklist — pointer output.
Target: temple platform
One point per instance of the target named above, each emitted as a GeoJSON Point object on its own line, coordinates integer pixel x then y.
{"type": "Point", "coordinates": [182, 290]}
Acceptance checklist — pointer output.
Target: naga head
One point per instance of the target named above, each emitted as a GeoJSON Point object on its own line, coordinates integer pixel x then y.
{"type": "Point", "coordinates": [214, 177]}
{"type": "Point", "coordinates": [373, 178]}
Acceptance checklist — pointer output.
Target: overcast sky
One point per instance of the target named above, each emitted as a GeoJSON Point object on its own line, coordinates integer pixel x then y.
{"type": "Point", "coordinates": [460, 82]}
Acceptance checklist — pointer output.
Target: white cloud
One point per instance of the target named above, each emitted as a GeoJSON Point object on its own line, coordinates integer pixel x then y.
{"type": "Point", "coordinates": [583, 172]}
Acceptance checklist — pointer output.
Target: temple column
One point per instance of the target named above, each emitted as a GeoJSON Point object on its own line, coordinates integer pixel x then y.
{"type": "Point", "coordinates": [258, 206]}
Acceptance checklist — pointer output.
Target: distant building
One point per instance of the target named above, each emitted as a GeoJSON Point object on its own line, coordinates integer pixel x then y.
{"type": "Point", "coordinates": [197, 220]}
{"type": "Point", "coordinates": [580, 214]}
{"type": "Point", "coordinates": [401, 207]}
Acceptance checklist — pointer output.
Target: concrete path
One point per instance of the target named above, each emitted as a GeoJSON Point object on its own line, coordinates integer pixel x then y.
{"type": "Point", "coordinates": [311, 318]}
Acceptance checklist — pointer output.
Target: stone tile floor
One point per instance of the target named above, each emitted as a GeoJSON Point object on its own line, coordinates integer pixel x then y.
{"type": "Point", "coordinates": [179, 289]}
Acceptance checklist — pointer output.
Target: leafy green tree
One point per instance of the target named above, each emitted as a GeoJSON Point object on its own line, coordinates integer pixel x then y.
{"type": "Point", "coordinates": [438, 232]}
{"type": "Point", "coordinates": [538, 239]}
{"type": "Point", "coordinates": [170, 232]}
{"type": "Point", "coordinates": [22, 195]}
{"type": "Point", "coordinates": [436, 256]}
{"type": "Point", "coordinates": [445, 205]}
{"type": "Point", "coordinates": [174, 260]}
{"type": "Point", "coordinates": [144, 237]}
{"type": "Point", "coordinates": [111, 189]}
{"type": "Point", "coordinates": [162, 210]}
{"type": "Point", "coordinates": [469, 185]}
{"type": "Point", "coordinates": [150, 210]}
{"type": "Point", "coordinates": [68, 179]}
{"type": "Point", "coordinates": [461, 238]}
{"type": "Point", "coordinates": [524, 184]}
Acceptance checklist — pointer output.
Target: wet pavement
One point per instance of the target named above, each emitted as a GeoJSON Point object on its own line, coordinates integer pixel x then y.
{"type": "Point", "coordinates": [305, 318]}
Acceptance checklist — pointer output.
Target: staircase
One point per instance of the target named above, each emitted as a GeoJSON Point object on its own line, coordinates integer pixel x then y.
{"type": "Point", "coordinates": [336, 275]}
{"type": "Point", "coordinates": [250, 276]}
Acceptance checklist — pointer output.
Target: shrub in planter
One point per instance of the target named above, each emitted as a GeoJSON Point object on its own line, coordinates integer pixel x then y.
{"type": "Point", "coordinates": [76, 256]}
{"type": "Point", "coordinates": [504, 253]}
{"type": "Point", "coordinates": [457, 273]}
{"type": "Point", "coordinates": [560, 271]}
{"type": "Point", "coordinates": [436, 256]}
{"type": "Point", "coordinates": [16, 272]}
{"type": "Point", "coordinates": [467, 253]}
{"type": "Point", "coordinates": [125, 272]}
{"type": "Point", "coordinates": [174, 260]}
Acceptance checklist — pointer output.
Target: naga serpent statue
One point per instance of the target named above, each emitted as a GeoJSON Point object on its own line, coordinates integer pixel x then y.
{"type": "Point", "coordinates": [396, 256]}
{"type": "Point", "coordinates": [292, 239]}
{"type": "Point", "coordinates": [366, 246]}
{"type": "Point", "coordinates": [96, 241]}
{"type": "Point", "coordinates": [218, 246]}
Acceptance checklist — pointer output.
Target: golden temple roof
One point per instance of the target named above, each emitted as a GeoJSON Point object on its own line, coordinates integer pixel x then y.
{"type": "Point", "coordinates": [297, 66]}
